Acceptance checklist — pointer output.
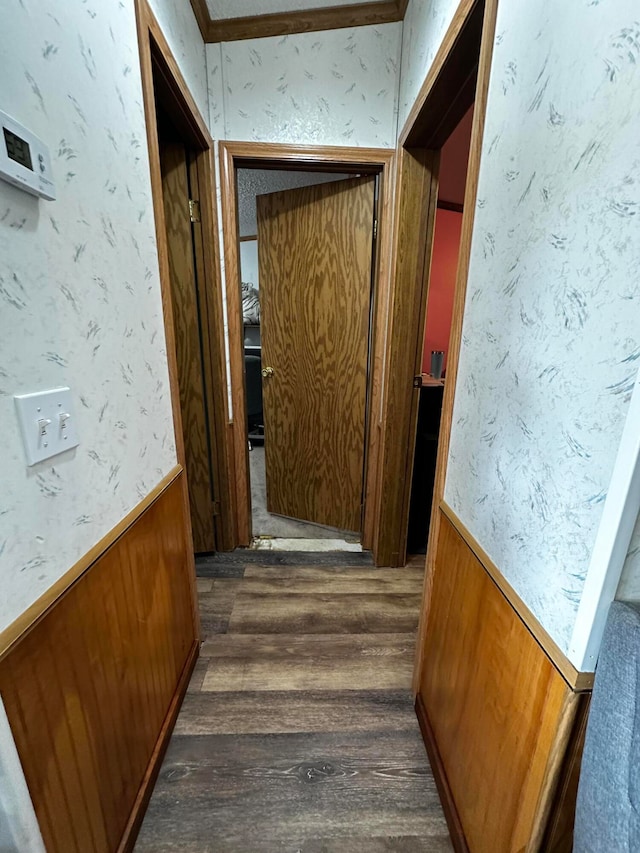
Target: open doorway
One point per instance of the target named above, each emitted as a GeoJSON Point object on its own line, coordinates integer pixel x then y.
{"type": "Point", "coordinates": [182, 223]}
{"type": "Point", "coordinates": [183, 189]}
{"type": "Point", "coordinates": [319, 340]}
{"type": "Point", "coordinates": [307, 250]}
{"type": "Point", "coordinates": [444, 100]}
{"type": "Point", "coordinates": [293, 326]}
{"type": "Point", "coordinates": [454, 160]}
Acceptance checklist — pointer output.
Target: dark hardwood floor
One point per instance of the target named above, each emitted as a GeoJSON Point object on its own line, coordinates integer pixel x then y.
{"type": "Point", "coordinates": [298, 733]}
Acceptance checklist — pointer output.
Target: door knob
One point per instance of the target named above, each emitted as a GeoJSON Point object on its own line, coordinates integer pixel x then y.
{"type": "Point", "coordinates": [267, 372]}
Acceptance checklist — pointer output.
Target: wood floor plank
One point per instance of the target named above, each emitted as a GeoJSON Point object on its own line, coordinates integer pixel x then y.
{"type": "Point", "coordinates": [367, 573]}
{"type": "Point", "coordinates": [297, 733]}
{"type": "Point", "coordinates": [310, 786]}
{"type": "Point", "coordinates": [279, 647]}
{"type": "Point", "coordinates": [285, 711]}
{"type": "Point", "coordinates": [348, 674]}
{"type": "Point", "coordinates": [216, 606]}
{"type": "Point", "coordinates": [242, 557]}
{"type": "Point", "coordinates": [212, 567]}
{"type": "Point", "coordinates": [197, 676]}
{"type": "Point", "coordinates": [398, 844]}
{"type": "Point", "coordinates": [258, 580]}
{"type": "Point", "coordinates": [324, 613]}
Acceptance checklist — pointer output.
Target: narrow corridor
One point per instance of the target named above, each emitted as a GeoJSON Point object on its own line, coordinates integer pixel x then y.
{"type": "Point", "coordinates": [298, 731]}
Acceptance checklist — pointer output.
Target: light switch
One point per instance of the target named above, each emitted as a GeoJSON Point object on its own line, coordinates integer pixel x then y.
{"type": "Point", "coordinates": [47, 423]}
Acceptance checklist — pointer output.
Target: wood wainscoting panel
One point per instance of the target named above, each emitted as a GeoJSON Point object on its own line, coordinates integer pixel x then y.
{"type": "Point", "coordinates": [91, 689]}
{"type": "Point", "coordinates": [500, 714]}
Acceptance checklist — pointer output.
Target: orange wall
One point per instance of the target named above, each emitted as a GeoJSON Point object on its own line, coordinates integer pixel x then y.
{"type": "Point", "coordinates": [444, 264]}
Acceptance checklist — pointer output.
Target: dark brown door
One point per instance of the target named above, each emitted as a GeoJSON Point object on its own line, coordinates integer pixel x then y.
{"type": "Point", "coordinates": [314, 257]}
{"type": "Point", "coordinates": [174, 162]}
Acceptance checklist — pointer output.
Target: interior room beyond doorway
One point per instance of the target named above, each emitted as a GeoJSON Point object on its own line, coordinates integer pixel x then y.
{"type": "Point", "coordinates": [270, 527]}
{"type": "Point", "coordinates": [454, 159]}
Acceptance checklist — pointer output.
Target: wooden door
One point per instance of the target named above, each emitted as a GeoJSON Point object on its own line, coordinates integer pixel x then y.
{"type": "Point", "coordinates": [174, 162]}
{"type": "Point", "coordinates": [314, 259]}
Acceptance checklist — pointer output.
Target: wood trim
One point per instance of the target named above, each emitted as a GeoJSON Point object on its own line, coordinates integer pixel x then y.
{"type": "Point", "coordinates": [155, 762]}
{"type": "Point", "coordinates": [458, 22]}
{"type": "Point", "coordinates": [247, 239]}
{"type": "Point", "coordinates": [21, 626]}
{"type": "Point", "coordinates": [92, 689]}
{"type": "Point", "coordinates": [192, 115]}
{"type": "Point", "coordinates": [453, 82]}
{"type": "Point", "coordinates": [192, 124]}
{"type": "Point", "coordinates": [558, 837]}
{"type": "Point", "coordinates": [305, 157]}
{"type": "Point", "coordinates": [229, 203]}
{"type": "Point", "coordinates": [147, 28]}
{"type": "Point", "coordinates": [303, 21]}
{"type": "Point", "coordinates": [445, 95]}
{"type": "Point", "coordinates": [578, 681]}
{"type": "Point", "coordinates": [440, 777]}
{"type": "Point", "coordinates": [455, 338]}
{"type": "Point", "coordinates": [203, 18]}
{"type": "Point", "coordinates": [450, 205]}
{"type": "Point", "coordinates": [188, 311]}
{"type": "Point", "coordinates": [381, 310]}
{"type": "Point", "coordinates": [415, 220]}
{"type": "Point", "coordinates": [206, 235]}
{"type": "Point", "coordinates": [144, 18]}
{"type": "Point", "coordinates": [501, 713]}
{"type": "Point", "coordinates": [555, 777]}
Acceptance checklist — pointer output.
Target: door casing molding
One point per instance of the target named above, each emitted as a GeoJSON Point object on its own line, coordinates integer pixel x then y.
{"type": "Point", "coordinates": [234, 155]}
{"type": "Point", "coordinates": [156, 54]}
{"type": "Point", "coordinates": [445, 96]}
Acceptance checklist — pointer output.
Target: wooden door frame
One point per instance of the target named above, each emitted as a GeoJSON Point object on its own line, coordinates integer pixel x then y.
{"type": "Point", "coordinates": [234, 155]}
{"type": "Point", "coordinates": [447, 92]}
{"type": "Point", "coordinates": [154, 49]}
{"type": "Point", "coordinates": [488, 12]}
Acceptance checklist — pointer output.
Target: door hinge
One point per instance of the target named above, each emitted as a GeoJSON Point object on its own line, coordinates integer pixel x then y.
{"type": "Point", "coordinates": [194, 210]}
{"type": "Point", "coordinates": [215, 508]}
{"type": "Point", "coordinates": [417, 381]}
{"type": "Point", "coordinates": [375, 229]}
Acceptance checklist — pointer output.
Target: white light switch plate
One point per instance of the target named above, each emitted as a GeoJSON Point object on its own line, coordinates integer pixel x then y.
{"type": "Point", "coordinates": [47, 422]}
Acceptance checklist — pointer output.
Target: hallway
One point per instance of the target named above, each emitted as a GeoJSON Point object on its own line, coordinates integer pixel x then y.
{"type": "Point", "coordinates": [298, 731]}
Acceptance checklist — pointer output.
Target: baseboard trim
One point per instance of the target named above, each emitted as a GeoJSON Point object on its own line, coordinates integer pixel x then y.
{"type": "Point", "coordinates": [456, 831]}
{"type": "Point", "coordinates": [577, 681]}
{"type": "Point", "coordinates": [33, 614]}
{"type": "Point", "coordinates": [155, 762]}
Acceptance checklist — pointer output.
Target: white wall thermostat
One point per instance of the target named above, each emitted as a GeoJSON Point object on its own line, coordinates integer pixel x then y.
{"type": "Point", "coordinates": [24, 159]}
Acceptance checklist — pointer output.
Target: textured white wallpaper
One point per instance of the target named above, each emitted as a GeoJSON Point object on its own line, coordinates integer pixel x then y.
{"type": "Point", "coordinates": [213, 54]}
{"type": "Point", "coordinates": [551, 336]}
{"type": "Point", "coordinates": [79, 291]}
{"type": "Point", "coordinates": [180, 28]}
{"type": "Point", "coordinates": [425, 24]}
{"type": "Point", "coordinates": [337, 87]}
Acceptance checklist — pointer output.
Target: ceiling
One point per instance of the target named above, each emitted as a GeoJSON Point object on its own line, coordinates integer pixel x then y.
{"type": "Point", "coordinates": [232, 20]}
{"type": "Point", "coordinates": [255, 182]}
